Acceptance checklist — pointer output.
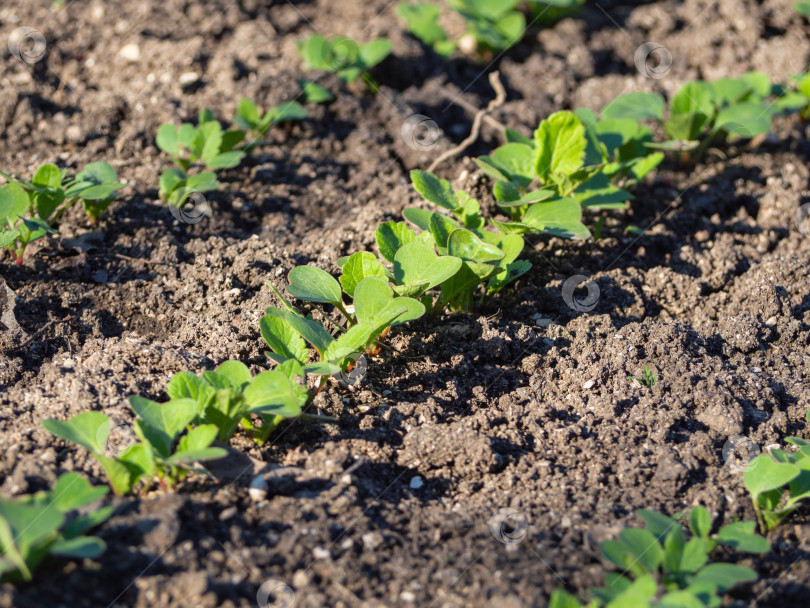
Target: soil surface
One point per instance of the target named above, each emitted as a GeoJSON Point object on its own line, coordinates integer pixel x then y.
{"type": "Point", "coordinates": [524, 405]}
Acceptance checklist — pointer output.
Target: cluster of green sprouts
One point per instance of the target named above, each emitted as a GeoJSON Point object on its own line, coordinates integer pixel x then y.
{"type": "Point", "coordinates": [587, 160]}
{"type": "Point", "coordinates": [29, 210]}
{"type": "Point", "coordinates": [343, 56]}
{"type": "Point", "coordinates": [38, 526]}
{"type": "Point", "coordinates": [660, 566]}
{"type": "Point", "coordinates": [492, 26]}
{"type": "Point", "coordinates": [779, 482]}
{"type": "Point", "coordinates": [198, 152]}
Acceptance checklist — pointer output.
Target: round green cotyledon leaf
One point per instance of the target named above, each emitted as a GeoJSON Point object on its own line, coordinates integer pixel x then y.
{"type": "Point", "coordinates": [13, 202]}
{"type": "Point", "coordinates": [635, 106]}
{"type": "Point", "coordinates": [371, 297]}
{"type": "Point", "coordinates": [391, 236]}
{"type": "Point", "coordinates": [359, 266]}
{"type": "Point", "coordinates": [314, 285]}
{"type": "Point", "coordinates": [765, 474]}
{"type": "Point", "coordinates": [88, 429]}
{"type": "Point", "coordinates": [416, 264]}
{"type": "Point", "coordinates": [465, 245]}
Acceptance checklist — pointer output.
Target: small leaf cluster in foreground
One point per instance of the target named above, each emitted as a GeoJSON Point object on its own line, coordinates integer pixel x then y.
{"type": "Point", "coordinates": [30, 209]}
{"type": "Point", "coordinates": [661, 566]}
{"type": "Point", "coordinates": [38, 526]}
{"type": "Point", "coordinates": [166, 448]}
{"type": "Point", "coordinates": [779, 482]}
{"type": "Point", "coordinates": [230, 395]}
{"type": "Point", "coordinates": [488, 257]}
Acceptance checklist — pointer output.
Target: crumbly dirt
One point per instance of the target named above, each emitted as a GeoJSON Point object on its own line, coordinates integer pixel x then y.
{"type": "Point", "coordinates": [523, 405]}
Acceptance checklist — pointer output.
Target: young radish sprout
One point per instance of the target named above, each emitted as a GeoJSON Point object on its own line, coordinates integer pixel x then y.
{"type": "Point", "coordinates": [660, 565]}
{"type": "Point", "coordinates": [29, 210]}
{"type": "Point", "coordinates": [46, 525]}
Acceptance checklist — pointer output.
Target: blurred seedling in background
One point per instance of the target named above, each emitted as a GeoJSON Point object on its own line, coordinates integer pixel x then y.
{"type": "Point", "coordinates": [256, 124]}
{"type": "Point", "coordinates": [344, 57]}
{"type": "Point", "coordinates": [29, 210]}
{"type": "Point", "coordinates": [702, 113]}
{"type": "Point", "coordinates": [492, 26]}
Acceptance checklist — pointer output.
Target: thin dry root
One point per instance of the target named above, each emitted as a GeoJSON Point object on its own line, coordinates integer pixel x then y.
{"type": "Point", "coordinates": [500, 98]}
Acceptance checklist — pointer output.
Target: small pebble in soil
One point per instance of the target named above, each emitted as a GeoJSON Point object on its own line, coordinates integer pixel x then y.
{"type": "Point", "coordinates": [187, 78]}
{"type": "Point", "coordinates": [417, 483]}
{"type": "Point", "coordinates": [227, 513]}
{"type": "Point", "coordinates": [130, 52]}
{"type": "Point", "coordinates": [258, 488]}
{"type": "Point", "coordinates": [321, 553]}
{"type": "Point", "coordinates": [372, 540]}
{"type": "Point", "coordinates": [542, 321]}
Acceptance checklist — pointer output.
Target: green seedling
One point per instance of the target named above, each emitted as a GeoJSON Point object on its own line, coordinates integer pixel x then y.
{"type": "Point", "coordinates": [176, 186]}
{"type": "Point", "coordinates": [702, 113]}
{"type": "Point", "coordinates": [344, 57]}
{"type": "Point", "coordinates": [492, 26]}
{"type": "Point", "coordinates": [548, 12]}
{"type": "Point", "coordinates": [803, 8]}
{"type": "Point", "coordinates": [779, 482]}
{"type": "Point", "coordinates": [795, 100]}
{"type": "Point", "coordinates": [648, 378]}
{"type": "Point", "coordinates": [207, 144]}
{"type": "Point", "coordinates": [661, 566]}
{"type": "Point", "coordinates": [28, 210]}
{"type": "Point", "coordinates": [313, 92]}
{"type": "Point", "coordinates": [486, 256]}
{"type": "Point", "coordinates": [49, 524]}
{"type": "Point", "coordinates": [160, 451]}
{"type": "Point", "coordinates": [422, 20]}
{"type": "Point", "coordinates": [542, 183]}
{"type": "Point", "coordinates": [230, 395]}
{"type": "Point", "coordinates": [619, 143]}
{"type": "Point", "coordinates": [375, 308]}
{"type": "Point", "coordinates": [255, 123]}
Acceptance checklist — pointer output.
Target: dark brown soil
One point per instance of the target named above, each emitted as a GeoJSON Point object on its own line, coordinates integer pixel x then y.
{"type": "Point", "coordinates": [525, 405]}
